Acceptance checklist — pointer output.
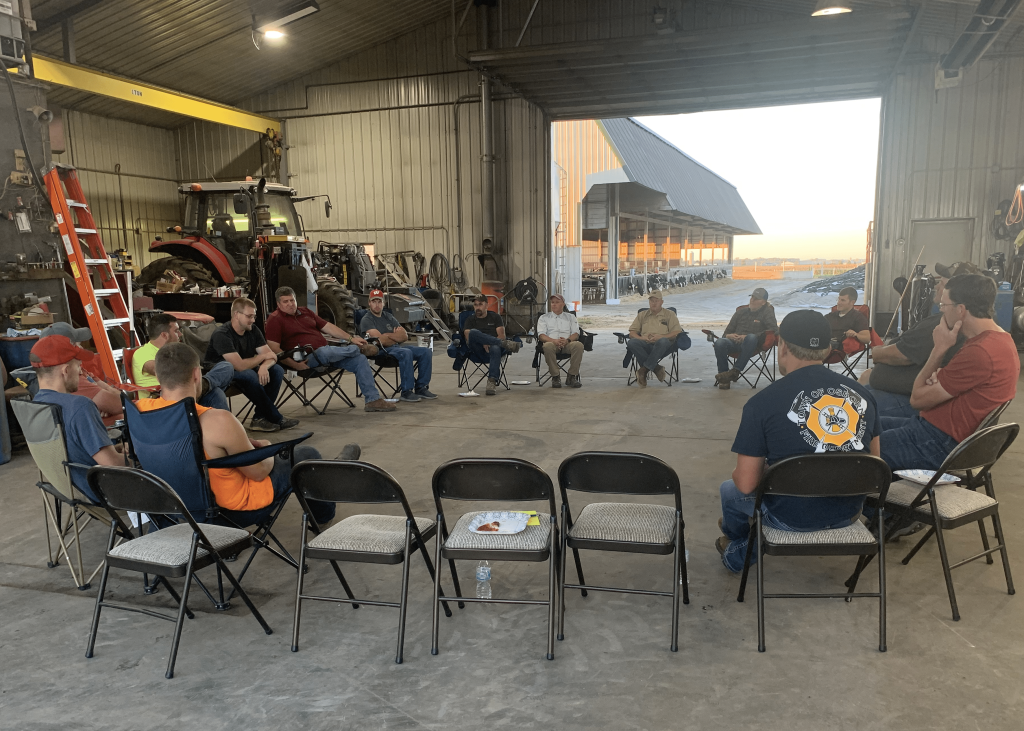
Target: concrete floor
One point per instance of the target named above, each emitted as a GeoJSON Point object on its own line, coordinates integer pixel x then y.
{"type": "Point", "coordinates": [822, 669]}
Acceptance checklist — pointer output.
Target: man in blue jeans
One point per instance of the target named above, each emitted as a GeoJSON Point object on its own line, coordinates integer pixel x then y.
{"type": "Point", "coordinates": [485, 335]}
{"type": "Point", "coordinates": [809, 410]}
{"type": "Point", "coordinates": [744, 336]}
{"type": "Point", "coordinates": [414, 363]}
{"type": "Point", "coordinates": [257, 373]}
{"type": "Point", "coordinates": [291, 327]}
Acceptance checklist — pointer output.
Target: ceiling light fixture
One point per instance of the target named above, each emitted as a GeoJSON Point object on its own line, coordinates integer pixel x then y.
{"type": "Point", "coordinates": [830, 7]}
{"type": "Point", "coordinates": [268, 25]}
{"type": "Point", "coordinates": [273, 34]}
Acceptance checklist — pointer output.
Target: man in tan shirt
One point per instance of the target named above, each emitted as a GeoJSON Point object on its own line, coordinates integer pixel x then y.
{"type": "Point", "coordinates": [652, 336]}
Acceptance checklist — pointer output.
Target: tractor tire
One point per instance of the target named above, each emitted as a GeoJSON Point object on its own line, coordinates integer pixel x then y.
{"type": "Point", "coordinates": [337, 305]}
{"type": "Point", "coordinates": [193, 272]}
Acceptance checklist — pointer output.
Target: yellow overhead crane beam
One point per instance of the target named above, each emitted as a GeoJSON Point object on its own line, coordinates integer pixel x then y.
{"type": "Point", "coordinates": [57, 72]}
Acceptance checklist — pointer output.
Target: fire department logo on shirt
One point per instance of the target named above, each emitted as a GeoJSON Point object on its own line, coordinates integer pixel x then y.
{"type": "Point", "coordinates": [830, 419]}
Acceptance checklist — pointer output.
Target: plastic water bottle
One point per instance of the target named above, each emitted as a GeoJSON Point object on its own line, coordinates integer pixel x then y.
{"type": "Point", "coordinates": [483, 580]}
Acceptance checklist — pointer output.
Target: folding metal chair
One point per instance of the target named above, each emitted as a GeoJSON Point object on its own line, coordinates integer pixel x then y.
{"type": "Point", "coordinates": [539, 363]}
{"type": "Point", "coordinates": [763, 361]}
{"type": "Point", "coordinates": [65, 508]}
{"type": "Point", "coordinates": [944, 507]}
{"type": "Point", "coordinates": [177, 551]}
{"type": "Point", "coordinates": [629, 361]}
{"type": "Point", "coordinates": [497, 480]}
{"type": "Point", "coordinates": [377, 539]}
{"type": "Point", "coordinates": [626, 527]}
{"type": "Point", "coordinates": [819, 476]}
{"type": "Point", "coordinates": [168, 443]}
{"type": "Point", "coordinates": [464, 359]}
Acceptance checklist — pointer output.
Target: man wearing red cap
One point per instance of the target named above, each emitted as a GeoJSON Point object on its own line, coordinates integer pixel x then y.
{"type": "Point", "coordinates": [414, 363]}
{"type": "Point", "coordinates": [290, 327]}
{"type": "Point", "coordinates": [58, 363]}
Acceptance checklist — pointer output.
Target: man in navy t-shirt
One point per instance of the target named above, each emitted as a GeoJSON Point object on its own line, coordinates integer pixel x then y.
{"type": "Point", "coordinates": [810, 410]}
{"type": "Point", "coordinates": [58, 363]}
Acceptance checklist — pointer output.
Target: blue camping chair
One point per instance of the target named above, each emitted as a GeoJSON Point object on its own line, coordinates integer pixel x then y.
{"type": "Point", "coordinates": [168, 443]}
{"type": "Point", "coordinates": [458, 349]}
{"type": "Point", "coordinates": [682, 343]}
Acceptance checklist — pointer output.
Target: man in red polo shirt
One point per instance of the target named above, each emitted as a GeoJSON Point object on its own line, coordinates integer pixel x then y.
{"type": "Point", "coordinates": [291, 326]}
{"type": "Point", "coordinates": [953, 400]}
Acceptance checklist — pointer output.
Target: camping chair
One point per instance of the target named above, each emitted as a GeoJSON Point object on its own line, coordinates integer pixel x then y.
{"type": "Point", "coordinates": [538, 354]}
{"type": "Point", "coordinates": [375, 539]}
{"type": "Point", "coordinates": [627, 527]}
{"type": "Point", "coordinates": [173, 552]}
{"type": "Point", "coordinates": [168, 443]}
{"type": "Point", "coordinates": [65, 508]}
{"type": "Point", "coordinates": [763, 361]}
{"type": "Point", "coordinates": [862, 353]}
{"type": "Point", "coordinates": [629, 361]}
{"type": "Point", "coordinates": [459, 350]}
{"type": "Point", "coordinates": [381, 362]}
{"type": "Point", "coordinates": [498, 480]}
{"type": "Point", "coordinates": [944, 507]}
{"type": "Point", "coordinates": [819, 475]}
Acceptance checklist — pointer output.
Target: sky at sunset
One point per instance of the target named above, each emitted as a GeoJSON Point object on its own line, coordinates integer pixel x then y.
{"type": "Point", "coordinates": [807, 172]}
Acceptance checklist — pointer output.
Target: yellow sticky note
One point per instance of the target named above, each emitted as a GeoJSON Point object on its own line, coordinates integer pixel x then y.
{"type": "Point", "coordinates": [534, 518]}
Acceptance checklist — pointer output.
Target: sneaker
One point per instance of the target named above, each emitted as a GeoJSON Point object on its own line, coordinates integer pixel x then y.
{"type": "Point", "coordinates": [573, 382]}
{"type": "Point", "coordinates": [724, 385]}
{"type": "Point", "coordinates": [349, 453]}
{"type": "Point", "coordinates": [263, 425]}
{"type": "Point", "coordinates": [556, 381]}
{"type": "Point", "coordinates": [660, 373]}
{"type": "Point", "coordinates": [641, 377]}
{"type": "Point", "coordinates": [424, 392]}
{"type": "Point", "coordinates": [288, 423]}
{"type": "Point", "coordinates": [369, 350]}
{"type": "Point", "coordinates": [907, 530]}
{"type": "Point", "coordinates": [491, 384]}
{"type": "Point", "coordinates": [379, 405]}
{"type": "Point", "coordinates": [409, 396]}
{"type": "Point", "coordinates": [510, 346]}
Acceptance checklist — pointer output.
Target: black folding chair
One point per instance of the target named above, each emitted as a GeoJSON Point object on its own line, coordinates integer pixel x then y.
{"type": "Point", "coordinates": [473, 370]}
{"type": "Point", "coordinates": [381, 362]}
{"type": "Point", "coordinates": [379, 539]}
{"type": "Point", "coordinates": [625, 527]}
{"type": "Point", "coordinates": [819, 476]}
{"type": "Point", "coordinates": [944, 507]}
{"type": "Point", "coordinates": [498, 480]}
{"type": "Point", "coordinates": [629, 361]}
{"type": "Point", "coordinates": [177, 551]}
{"type": "Point", "coordinates": [168, 443]}
{"type": "Point", "coordinates": [328, 379]}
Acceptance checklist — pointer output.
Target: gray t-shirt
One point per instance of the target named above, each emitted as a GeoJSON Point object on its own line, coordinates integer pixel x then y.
{"type": "Point", "coordinates": [383, 323]}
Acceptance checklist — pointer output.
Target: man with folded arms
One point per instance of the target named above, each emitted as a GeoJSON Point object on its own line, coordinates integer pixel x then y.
{"type": "Point", "coordinates": [850, 328]}
{"type": "Point", "coordinates": [291, 326]}
{"type": "Point", "coordinates": [652, 336]}
{"type": "Point", "coordinates": [414, 363]}
{"type": "Point", "coordinates": [559, 333]}
{"type": "Point", "coordinates": [953, 400]}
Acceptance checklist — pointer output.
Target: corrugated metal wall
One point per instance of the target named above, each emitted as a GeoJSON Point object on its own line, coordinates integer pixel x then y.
{"type": "Point", "coordinates": [208, 151]}
{"type": "Point", "coordinates": [947, 154]}
{"type": "Point", "coordinates": [129, 174]}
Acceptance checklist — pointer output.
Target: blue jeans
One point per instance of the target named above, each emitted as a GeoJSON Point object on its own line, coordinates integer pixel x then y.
{"type": "Point", "coordinates": [262, 397]}
{"type": "Point", "coordinates": [220, 377]}
{"type": "Point", "coordinates": [914, 443]}
{"type": "Point", "coordinates": [409, 359]}
{"type": "Point", "coordinates": [347, 357]}
{"type": "Point", "coordinates": [737, 509]}
{"type": "Point", "coordinates": [648, 355]}
{"type": "Point", "coordinates": [477, 341]}
{"type": "Point", "coordinates": [280, 476]}
{"type": "Point", "coordinates": [743, 350]}
{"type": "Point", "coordinates": [892, 404]}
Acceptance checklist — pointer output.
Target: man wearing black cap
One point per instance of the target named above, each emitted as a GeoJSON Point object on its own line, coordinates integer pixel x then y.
{"type": "Point", "coordinates": [809, 410]}
{"type": "Point", "coordinates": [485, 336]}
{"type": "Point", "coordinates": [744, 336]}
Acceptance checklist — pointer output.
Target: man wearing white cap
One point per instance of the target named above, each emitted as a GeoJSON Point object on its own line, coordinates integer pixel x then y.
{"type": "Point", "coordinates": [559, 333]}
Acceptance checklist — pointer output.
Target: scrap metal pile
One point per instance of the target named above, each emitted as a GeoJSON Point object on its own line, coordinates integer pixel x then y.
{"type": "Point", "coordinates": [853, 278]}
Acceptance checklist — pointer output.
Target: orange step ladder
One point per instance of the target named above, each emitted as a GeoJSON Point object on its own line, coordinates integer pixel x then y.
{"type": "Point", "coordinates": [89, 259]}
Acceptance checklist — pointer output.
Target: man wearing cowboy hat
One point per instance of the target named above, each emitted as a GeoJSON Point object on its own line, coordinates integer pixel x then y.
{"type": "Point", "coordinates": [559, 333]}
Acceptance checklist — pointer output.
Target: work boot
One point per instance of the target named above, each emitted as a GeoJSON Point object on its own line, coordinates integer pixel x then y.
{"type": "Point", "coordinates": [641, 377]}
{"type": "Point", "coordinates": [368, 349]}
{"type": "Point", "coordinates": [734, 374]}
{"type": "Point", "coordinates": [556, 381]}
{"type": "Point", "coordinates": [288, 423]}
{"type": "Point", "coordinates": [724, 385]}
{"type": "Point", "coordinates": [206, 387]}
{"type": "Point", "coordinates": [573, 382]}
{"type": "Point", "coordinates": [660, 373]}
{"type": "Point", "coordinates": [510, 346]}
{"type": "Point", "coordinates": [491, 385]}
{"type": "Point", "coordinates": [380, 405]}
{"type": "Point", "coordinates": [349, 453]}
{"type": "Point", "coordinates": [723, 376]}
{"type": "Point", "coordinates": [263, 425]}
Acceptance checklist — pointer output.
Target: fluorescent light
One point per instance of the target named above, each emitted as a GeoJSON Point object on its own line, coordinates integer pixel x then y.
{"type": "Point", "coordinates": [273, 34]}
{"type": "Point", "coordinates": [289, 14]}
{"type": "Point", "coordinates": [830, 7]}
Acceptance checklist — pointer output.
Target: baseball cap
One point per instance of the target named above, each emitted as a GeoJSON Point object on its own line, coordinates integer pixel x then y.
{"type": "Point", "coordinates": [557, 296]}
{"type": "Point", "coordinates": [956, 268]}
{"type": "Point", "coordinates": [376, 294]}
{"type": "Point", "coordinates": [806, 329]}
{"type": "Point", "coordinates": [57, 350]}
{"type": "Point", "coordinates": [761, 293]}
{"type": "Point", "coordinates": [655, 294]}
{"type": "Point", "coordinates": [74, 334]}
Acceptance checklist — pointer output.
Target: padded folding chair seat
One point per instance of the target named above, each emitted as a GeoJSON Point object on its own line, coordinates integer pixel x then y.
{"type": "Point", "coordinates": [367, 534]}
{"type": "Point", "coordinates": [953, 503]}
{"type": "Point", "coordinates": [599, 524]}
{"type": "Point", "coordinates": [167, 550]}
{"type": "Point", "coordinates": [776, 541]}
{"type": "Point", "coordinates": [532, 539]}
